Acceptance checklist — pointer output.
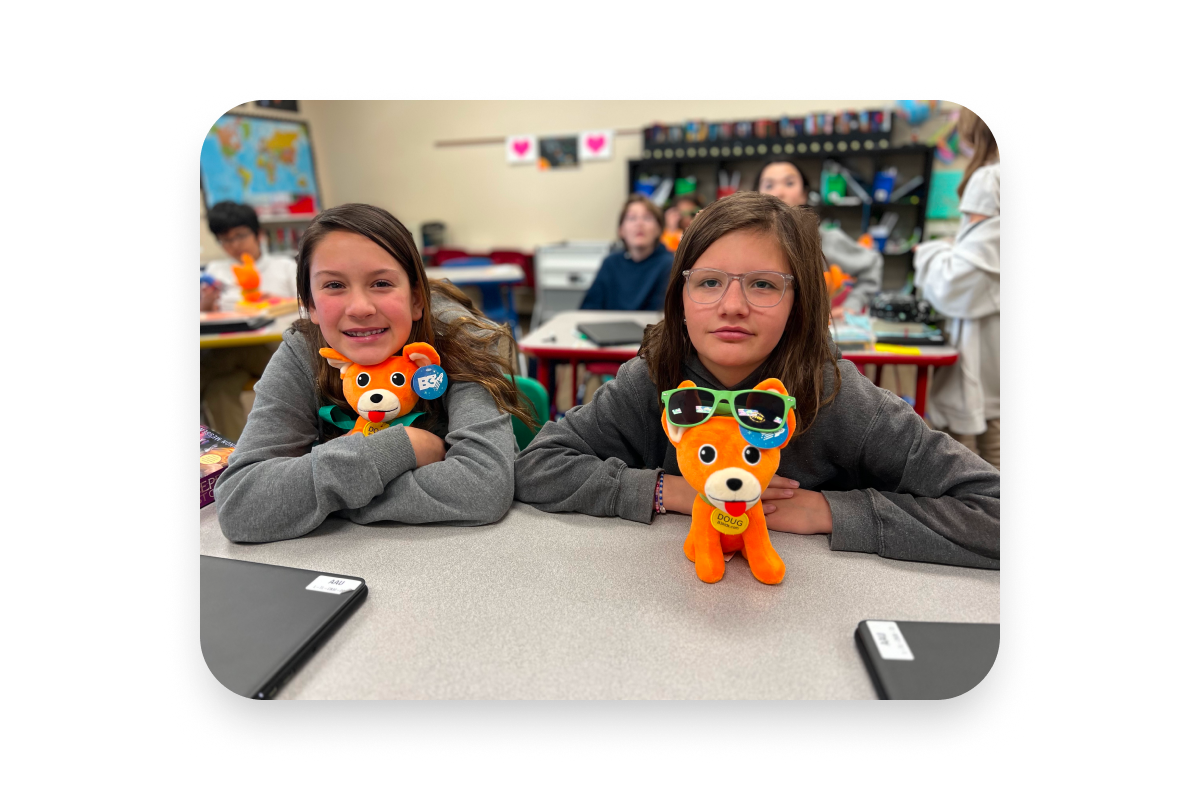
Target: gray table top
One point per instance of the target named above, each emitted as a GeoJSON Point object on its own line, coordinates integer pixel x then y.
{"type": "Point", "coordinates": [556, 606]}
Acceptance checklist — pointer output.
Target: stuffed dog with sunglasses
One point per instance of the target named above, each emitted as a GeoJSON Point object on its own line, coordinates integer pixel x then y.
{"type": "Point", "coordinates": [729, 475]}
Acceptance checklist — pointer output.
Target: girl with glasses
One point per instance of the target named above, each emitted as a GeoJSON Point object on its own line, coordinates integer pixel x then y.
{"type": "Point", "coordinates": [746, 301]}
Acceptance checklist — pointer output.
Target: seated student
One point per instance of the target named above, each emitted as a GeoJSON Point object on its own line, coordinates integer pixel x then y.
{"type": "Point", "coordinates": [962, 281]}
{"type": "Point", "coordinates": [862, 467]}
{"type": "Point", "coordinates": [364, 288]}
{"type": "Point", "coordinates": [225, 371]}
{"type": "Point", "coordinates": [678, 216]}
{"type": "Point", "coordinates": [784, 180]}
{"type": "Point", "coordinates": [635, 279]}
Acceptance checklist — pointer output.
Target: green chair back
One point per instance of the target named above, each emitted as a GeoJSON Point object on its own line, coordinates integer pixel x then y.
{"type": "Point", "coordinates": [535, 399]}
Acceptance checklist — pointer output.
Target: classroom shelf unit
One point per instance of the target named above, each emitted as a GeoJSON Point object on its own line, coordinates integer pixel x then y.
{"type": "Point", "coordinates": [861, 153]}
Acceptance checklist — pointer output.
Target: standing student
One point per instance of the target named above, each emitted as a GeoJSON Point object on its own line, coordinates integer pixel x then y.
{"type": "Point", "coordinates": [366, 295]}
{"type": "Point", "coordinates": [784, 180]}
{"type": "Point", "coordinates": [962, 281]}
{"type": "Point", "coordinates": [635, 279]}
{"type": "Point", "coordinates": [746, 301]}
{"type": "Point", "coordinates": [225, 372]}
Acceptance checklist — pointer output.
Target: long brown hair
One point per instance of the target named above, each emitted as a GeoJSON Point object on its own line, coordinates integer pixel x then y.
{"type": "Point", "coordinates": [802, 353]}
{"type": "Point", "coordinates": [468, 345]}
{"type": "Point", "coordinates": [978, 136]}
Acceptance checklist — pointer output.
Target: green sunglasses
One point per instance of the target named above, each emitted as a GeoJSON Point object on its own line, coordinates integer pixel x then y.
{"type": "Point", "coordinates": [755, 409]}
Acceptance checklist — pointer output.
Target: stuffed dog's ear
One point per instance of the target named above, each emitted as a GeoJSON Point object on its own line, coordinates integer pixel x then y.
{"type": "Point", "coordinates": [674, 432]}
{"type": "Point", "coordinates": [336, 359]}
{"type": "Point", "coordinates": [421, 354]}
{"type": "Point", "coordinates": [776, 385]}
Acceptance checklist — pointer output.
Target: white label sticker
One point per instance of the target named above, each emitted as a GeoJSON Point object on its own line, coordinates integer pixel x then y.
{"type": "Point", "coordinates": [889, 640]}
{"type": "Point", "coordinates": [325, 583]}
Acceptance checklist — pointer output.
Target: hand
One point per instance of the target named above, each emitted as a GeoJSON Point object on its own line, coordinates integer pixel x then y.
{"type": "Point", "coordinates": [678, 495]}
{"type": "Point", "coordinates": [794, 510]}
{"type": "Point", "coordinates": [839, 312]}
{"type": "Point", "coordinates": [209, 293]}
{"type": "Point", "coordinates": [429, 447]}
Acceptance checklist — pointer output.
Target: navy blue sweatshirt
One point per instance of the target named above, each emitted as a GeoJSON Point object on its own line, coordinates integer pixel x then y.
{"type": "Point", "coordinates": [623, 284]}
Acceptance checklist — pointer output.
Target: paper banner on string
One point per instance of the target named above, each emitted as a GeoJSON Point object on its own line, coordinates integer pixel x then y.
{"type": "Point", "coordinates": [557, 152]}
{"type": "Point", "coordinates": [521, 149]}
{"type": "Point", "coordinates": [595, 145]}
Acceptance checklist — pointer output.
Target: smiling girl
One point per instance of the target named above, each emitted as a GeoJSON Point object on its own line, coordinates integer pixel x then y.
{"type": "Point", "coordinates": [362, 285]}
{"type": "Point", "coordinates": [746, 301]}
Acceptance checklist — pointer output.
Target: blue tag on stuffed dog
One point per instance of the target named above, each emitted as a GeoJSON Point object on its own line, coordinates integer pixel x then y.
{"type": "Point", "coordinates": [765, 441]}
{"type": "Point", "coordinates": [429, 382]}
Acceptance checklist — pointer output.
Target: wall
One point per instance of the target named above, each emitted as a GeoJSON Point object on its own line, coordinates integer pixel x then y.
{"type": "Point", "coordinates": [383, 152]}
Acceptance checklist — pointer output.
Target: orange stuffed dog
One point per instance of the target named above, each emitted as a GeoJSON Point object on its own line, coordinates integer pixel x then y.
{"type": "Point", "coordinates": [383, 392]}
{"type": "Point", "coordinates": [729, 475]}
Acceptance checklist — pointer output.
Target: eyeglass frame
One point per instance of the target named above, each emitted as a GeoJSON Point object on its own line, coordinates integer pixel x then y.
{"type": "Point", "coordinates": [727, 396]}
{"type": "Point", "coordinates": [788, 280]}
{"type": "Point", "coordinates": [228, 238]}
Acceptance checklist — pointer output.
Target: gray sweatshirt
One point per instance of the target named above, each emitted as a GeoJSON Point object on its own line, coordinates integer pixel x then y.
{"type": "Point", "coordinates": [895, 487]}
{"type": "Point", "coordinates": [281, 484]}
{"type": "Point", "coordinates": [861, 263]}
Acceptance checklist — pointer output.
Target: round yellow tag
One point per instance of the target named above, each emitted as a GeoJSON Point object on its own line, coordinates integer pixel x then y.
{"type": "Point", "coordinates": [374, 427]}
{"type": "Point", "coordinates": [210, 458]}
{"type": "Point", "coordinates": [727, 523]}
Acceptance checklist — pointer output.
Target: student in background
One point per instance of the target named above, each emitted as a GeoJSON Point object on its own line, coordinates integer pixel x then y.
{"type": "Point", "coordinates": [225, 372]}
{"type": "Point", "coordinates": [236, 228]}
{"type": "Point", "coordinates": [365, 291]}
{"type": "Point", "coordinates": [635, 279]}
{"type": "Point", "coordinates": [784, 180]}
{"type": "Point", "coordinates": [863, 466]}
{"type": "Point", "coordinates": [962, 281]}
{"type": "Point", "coordinates": [679, 215]}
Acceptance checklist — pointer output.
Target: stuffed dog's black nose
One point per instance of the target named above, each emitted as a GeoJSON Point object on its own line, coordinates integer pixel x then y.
{"type": "Point", "coordinates": [734, 483]}
{"type": "Point", "coordinates": [378, 398]}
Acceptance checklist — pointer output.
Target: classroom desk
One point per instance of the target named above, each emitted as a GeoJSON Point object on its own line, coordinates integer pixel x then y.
{"type": "Point", "coordinates": [928, 357]}
{"type": "Point", "coordinates": [558, 340]}
{"type": "Point", "coordinates": [570, 606]}
{"type": "Point", "coordinates": [271, 333]}
{"type": "Point", "coordinates": [476, 276]}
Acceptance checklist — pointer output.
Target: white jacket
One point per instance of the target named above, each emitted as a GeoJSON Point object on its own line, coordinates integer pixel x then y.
{"type": "Point", "coordinates": [962, 281]}
{"type": "Point", "coordinates": [276, 276]}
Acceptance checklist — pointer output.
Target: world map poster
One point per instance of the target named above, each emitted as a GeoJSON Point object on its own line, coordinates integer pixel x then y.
{"type": "Point", "coordinates": [264, 163]}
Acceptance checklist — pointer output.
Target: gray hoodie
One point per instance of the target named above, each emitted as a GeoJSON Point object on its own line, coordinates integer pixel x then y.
{"type": "Point", "coordinates": [895, 487]}
{"type": "Point", "coordinates": [281, 483]}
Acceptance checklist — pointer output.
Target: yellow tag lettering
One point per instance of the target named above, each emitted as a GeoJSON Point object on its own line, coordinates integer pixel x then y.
{"type": "Point", "coordinates": [374, 427]}
{"type": "Point", "coordinates": [727, 523]}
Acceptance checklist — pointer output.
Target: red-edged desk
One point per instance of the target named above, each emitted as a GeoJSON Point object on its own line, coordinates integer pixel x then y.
{"type": "Point", "coordinates": [928, 357]}
{"type": "Point", "coordinates": [558, 340]}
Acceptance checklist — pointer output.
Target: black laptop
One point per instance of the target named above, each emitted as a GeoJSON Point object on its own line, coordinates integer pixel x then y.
{"type": "Point", "coordinates": [259, 623]}
{"type": "Point", "coordinates": [926, 660]}
{"type": "Point", "coordinates": [608, 334]}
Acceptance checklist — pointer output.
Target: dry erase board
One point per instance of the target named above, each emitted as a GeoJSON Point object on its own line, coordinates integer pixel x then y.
{"type": "Point", "coordinates": [264, 163]}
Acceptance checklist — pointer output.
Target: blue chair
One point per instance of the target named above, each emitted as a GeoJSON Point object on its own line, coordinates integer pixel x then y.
{"type": "Point", "coordinates": [535, 399]}
{"type": "Point", "coordinates": [496, 306]}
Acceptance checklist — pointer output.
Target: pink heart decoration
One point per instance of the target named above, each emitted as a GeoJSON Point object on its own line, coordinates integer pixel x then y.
{"type": "Point", "coordinates": [521, 146]}
{"type": "Point", "coordinates": [596, 143]}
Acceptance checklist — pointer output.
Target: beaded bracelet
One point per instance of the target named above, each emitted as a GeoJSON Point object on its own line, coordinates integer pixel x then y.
{"type": "Point", "coordinates": [659, 508]}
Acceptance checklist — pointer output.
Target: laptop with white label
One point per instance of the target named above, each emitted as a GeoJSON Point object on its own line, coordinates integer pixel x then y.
{"type": "Point", "coordinates": [259, 623]}
{"type": "Point", "coordinates": [926, 660]}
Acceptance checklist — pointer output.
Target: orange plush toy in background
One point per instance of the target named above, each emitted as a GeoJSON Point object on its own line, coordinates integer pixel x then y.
{"type": "Point", "coordinates": [384, 394]}
{"type": "Point", "coordinates": [248, 278]}
{"type": "Point", "coordinates": [729, 460]}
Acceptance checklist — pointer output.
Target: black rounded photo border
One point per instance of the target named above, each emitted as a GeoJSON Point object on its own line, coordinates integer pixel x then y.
{"type": "Point", "coordinates": [989, 723]}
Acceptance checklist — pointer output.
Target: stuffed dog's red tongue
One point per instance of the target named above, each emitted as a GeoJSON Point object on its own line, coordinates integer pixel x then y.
{"type": "Point", "coordinates": [735, 509]}
{"type": "Point", "coordinates": [375, 416]}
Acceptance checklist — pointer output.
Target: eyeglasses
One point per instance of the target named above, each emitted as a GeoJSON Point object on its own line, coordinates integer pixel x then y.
{"type": "Point", "coordinates": [756, 409]}
{"type": "Point", "coordinates": [763, 289]}
{"type": "Point", "coordinates": [230, 238]}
